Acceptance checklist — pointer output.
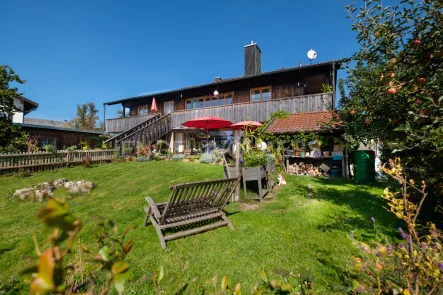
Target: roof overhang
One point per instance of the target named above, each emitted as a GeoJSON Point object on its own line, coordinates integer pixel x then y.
{"type": "Point", "coordinates": [326, 64]}
{"type": "Point", "coordinates": [33, 126]}
{"type": "Point", "coordinates": [28, 105]}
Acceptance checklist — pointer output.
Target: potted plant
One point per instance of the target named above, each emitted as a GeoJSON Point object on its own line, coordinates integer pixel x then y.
{"type": "Point", "coordinates": [127, 149]}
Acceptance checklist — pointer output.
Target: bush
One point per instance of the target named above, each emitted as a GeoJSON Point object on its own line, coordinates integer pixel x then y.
{"type": "Point", "coordinates": [71, 148]}
{"type": "Point", "coordinates": [208, 158]}
{"type": "Point", "coordinates": [177, 157]}
{"type": "Point", "coordinates": [50, 148]}
{"type": "Point", "coordinates": [143, 159]}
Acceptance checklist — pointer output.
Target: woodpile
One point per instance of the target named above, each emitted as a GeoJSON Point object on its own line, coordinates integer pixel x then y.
{"type": "Point", "coordinates": [306, 169]}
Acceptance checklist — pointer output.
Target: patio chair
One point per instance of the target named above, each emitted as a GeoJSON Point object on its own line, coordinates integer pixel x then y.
{"type": "Point", "coordinates": [191, 204]}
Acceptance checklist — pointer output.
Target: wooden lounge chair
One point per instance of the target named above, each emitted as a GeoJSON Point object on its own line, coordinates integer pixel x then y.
{"type": "Point", "coordinates": [191, 203]}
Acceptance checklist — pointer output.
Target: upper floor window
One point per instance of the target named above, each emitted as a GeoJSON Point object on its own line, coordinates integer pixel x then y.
{"type": "Point", "coordinates": [143, 110]}
{"type": "Point", "coordinates": [261, 94]}
{"type": "Point", "coordinates": [207, 102]}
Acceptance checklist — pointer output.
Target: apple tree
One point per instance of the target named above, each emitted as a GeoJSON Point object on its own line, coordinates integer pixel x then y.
{"type": "Point", "coordinates": [394, 87]}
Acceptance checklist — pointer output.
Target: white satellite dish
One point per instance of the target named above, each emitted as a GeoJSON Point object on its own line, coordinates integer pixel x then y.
{"type": "Point", "coordinates": [312, 55]}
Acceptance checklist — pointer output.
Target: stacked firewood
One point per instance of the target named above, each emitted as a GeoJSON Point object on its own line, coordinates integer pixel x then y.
{"type": "Point", "coordinates": [305, 169]}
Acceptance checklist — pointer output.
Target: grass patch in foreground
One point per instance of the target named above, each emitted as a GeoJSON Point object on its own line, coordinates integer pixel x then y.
{"type": "Point", "coordinates": [287, 232]}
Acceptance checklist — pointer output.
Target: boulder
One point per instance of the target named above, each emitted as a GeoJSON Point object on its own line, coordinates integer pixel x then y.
{"type": "Point", "coordinates": [60, 182]}
{"type": "Point", "coordinates": [24, 193]}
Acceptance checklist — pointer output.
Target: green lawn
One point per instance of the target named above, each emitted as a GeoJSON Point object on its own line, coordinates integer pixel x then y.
{"type": "Point", "coordinates": [287, 232]}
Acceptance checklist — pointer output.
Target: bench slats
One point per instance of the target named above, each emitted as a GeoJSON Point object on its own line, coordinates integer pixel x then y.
{"type": "Point", "coordinates": [191, 203]}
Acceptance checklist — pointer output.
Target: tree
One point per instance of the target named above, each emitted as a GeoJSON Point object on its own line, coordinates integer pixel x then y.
{"type": "Point", "coordinates": [86, 117]}
{"type": "Point", "coordinates": [394, 91]}
{"type": "Point", "coordinates": [10, 135]}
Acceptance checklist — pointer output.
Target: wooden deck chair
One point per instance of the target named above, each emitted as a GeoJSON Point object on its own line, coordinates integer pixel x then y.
{"type": "Point", "coordinates": [191, 203]}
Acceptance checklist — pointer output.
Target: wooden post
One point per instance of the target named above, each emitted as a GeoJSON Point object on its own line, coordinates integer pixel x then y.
{"type": "Point", "coordinates": [124, 115]}
{"type": "Point", "coordinates": [104, 117]}
{"type": "Point", "coordinates": [237, 162]}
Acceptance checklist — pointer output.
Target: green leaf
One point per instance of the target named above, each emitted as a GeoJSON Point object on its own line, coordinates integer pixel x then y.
{"type": "Point", "coordinates": [119, 267]}
{"type": "Point", "coordinates": [224, 283]}
{"type": "Point", "coordinates": [105, 253]}
{"type": "Point", "coordinates": [119, 281]}
{"type": "Point", "coordinates": [263, 276]}
{"type": "Point", "coordinates": [161, 273]}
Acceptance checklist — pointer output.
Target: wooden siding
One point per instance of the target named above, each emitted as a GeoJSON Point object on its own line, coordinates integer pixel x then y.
{"type": "Point", "coordinates": [122, 124]}
{"type": "Point", "coordinates": [257, 111]}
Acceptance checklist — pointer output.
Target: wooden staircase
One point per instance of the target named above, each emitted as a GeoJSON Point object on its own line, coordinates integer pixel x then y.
{"type": "Point", "coordinates": [144, 133]}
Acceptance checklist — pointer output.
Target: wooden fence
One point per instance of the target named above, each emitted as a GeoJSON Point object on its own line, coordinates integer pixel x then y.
{"type": "Point", "coordinates": [47, 161]}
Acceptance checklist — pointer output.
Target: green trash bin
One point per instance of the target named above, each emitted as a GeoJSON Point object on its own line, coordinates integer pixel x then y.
{"type": "Point", "coordinates": [364, 166]}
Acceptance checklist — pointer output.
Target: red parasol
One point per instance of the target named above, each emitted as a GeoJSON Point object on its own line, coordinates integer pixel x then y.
{"type": "Point", "coordinates": [208, 123]}
{"type": "Point", "coordinates": [154, 106]}
{"type": "Point", "coordinates": [245, 125]}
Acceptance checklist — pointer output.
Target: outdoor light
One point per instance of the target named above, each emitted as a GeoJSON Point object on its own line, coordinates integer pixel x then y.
{"type": "Point", "coordinates": [215, 92]}
{"type": "Point", "coordinates": [311, 55]}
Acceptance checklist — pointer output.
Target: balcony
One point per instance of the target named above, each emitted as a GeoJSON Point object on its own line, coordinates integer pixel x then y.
{"type": "Point", "coordinates": [257, 111]}
{"type": "Point", "coordinates": [118, 125]}
{"type": "Point", "coordinates": [254, 111]}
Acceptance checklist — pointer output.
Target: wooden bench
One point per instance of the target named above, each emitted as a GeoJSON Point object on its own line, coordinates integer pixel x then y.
{"type": "Point", "coordinates": [191, 203]}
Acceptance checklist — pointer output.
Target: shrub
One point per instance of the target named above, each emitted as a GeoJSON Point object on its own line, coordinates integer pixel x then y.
{"type": "Point", "coordinates": [177, 157]}
{"type": "Point", "coordinates": [143, 159]}
{"type": "Point", "coordinates": [143, 151]}
{"type": "Point", "coordinates": [71, 148]}
{"type": "Point", "coordinates": [50, 148]}
{"type": "Point", "coordinates": [207, 158]}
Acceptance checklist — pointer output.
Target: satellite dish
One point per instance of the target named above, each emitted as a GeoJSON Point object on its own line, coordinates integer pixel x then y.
{"type": "Point", "coordinates": [312, 55]}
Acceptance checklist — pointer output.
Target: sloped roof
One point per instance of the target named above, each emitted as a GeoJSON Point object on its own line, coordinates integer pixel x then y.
{"type": "Point", "coordinates": [301, 122]}
{"type": "Point", "coordinates": [53, 125]}
{"type": "Point", "coordinates": [45, 122]}
{"type": "Point", "coordinates": [337, 62]}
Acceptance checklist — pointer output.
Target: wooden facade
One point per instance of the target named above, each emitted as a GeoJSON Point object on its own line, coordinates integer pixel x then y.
{"type": "Point", "coordinates": [257, 111]}
{"type": "Point", "coordinates": [62, 138]}
{"type": "Point", "coordinates": [293, 90]}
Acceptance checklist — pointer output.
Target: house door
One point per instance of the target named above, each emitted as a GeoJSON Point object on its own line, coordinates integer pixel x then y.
{"type": "Point", "coordinates": [168, 107]}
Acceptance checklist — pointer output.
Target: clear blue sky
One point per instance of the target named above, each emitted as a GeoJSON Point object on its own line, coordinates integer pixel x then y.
{"type": "Point", "coordinates": [72, 52]}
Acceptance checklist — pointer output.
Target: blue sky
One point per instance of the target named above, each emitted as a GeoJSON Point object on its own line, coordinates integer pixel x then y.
{"type": "Point", "coordinates": [72, 52]}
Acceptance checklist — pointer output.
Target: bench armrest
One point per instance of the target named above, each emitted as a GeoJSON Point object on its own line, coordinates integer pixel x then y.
{"type": "Point", "coordinates": [154, 208]}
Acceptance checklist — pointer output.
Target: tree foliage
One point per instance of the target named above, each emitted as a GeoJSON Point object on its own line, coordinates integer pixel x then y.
{"type": "Point", "coordinates": [10, 135]}
{"type": "Point", "coordinates": [86, 117]}
{"type": "Point", "coordinates": [394, 91]}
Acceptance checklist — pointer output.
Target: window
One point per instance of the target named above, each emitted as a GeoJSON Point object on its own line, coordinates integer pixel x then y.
{"type": "Point", "coordinates": [207, 102]}
{"type": "Point", "coordinates": [261, 94]}
{"type": "Point", "coordinates": [143, 110]}
{"type": "Point", "coordinates": [169, 107]}
{"type": "Point", "coordinates": [49, 141]}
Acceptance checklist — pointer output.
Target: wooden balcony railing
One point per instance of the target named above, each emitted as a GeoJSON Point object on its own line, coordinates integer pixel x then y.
{"type": "Point", "coordinates": [122, 124]}
{"type": "Point", "coordinates": [257, 111]}
{"type": "Point", "coordinates": [254, 111]}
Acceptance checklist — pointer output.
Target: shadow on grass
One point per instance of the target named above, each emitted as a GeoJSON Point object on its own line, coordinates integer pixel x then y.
{"type": "Point", "coordinates": [363, 199]}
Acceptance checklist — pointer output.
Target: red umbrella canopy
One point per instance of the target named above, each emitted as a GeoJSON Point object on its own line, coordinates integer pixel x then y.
{"type": "Point", "coordinates": [208, 123]}
{"type": "Point", "coordinates": [154, 105]}
{"type": "Point", "coordinates": [245, 125]}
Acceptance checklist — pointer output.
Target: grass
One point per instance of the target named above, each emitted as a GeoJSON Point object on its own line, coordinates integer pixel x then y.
{"type": "Point", "coordinates": [287, 232]}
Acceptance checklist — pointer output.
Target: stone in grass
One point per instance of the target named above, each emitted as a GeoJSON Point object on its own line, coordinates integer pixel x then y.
{"type": "Point", "coordinates": [42, 194]}
{"type": "Point", "coordinates": [59, 182]}
{"type": "Point", "coordinates": [24, 193]}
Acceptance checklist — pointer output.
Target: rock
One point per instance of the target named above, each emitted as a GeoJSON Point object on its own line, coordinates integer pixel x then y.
{"type": "Point", "coordinates": [69, 184]}
{"type": "Point", "coordinates": [60, 182]}
{"type": "Point", "coordinates": [24, 193]}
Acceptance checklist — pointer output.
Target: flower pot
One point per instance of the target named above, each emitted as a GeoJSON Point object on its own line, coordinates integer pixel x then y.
{"type": "Point", "coordinates": [302, 154]}
{"type": "Point", "coordinates": [254, 173]}
{"type": "Point", "coordinates": [326, 154]}
{"type": "Point", "coordinates": [296, 153]}
{"type": "Point", "coordinates": [128, 159]}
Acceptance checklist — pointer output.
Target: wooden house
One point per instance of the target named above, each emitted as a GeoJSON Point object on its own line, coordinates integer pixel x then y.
{"type": "Point", "coordinates": [253, 96]}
